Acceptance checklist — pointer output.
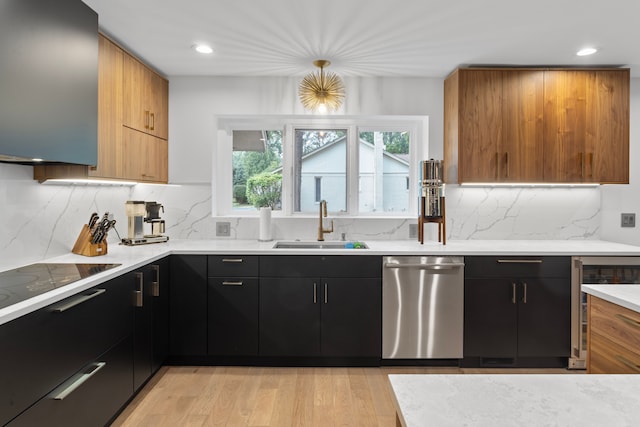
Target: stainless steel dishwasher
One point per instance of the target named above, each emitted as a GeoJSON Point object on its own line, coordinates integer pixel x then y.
{"type": "Point", "coordinates": [422, 307]}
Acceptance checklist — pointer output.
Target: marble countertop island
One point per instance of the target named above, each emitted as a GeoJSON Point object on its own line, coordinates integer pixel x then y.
{"type": "Point", "coordinates": [516, 400]}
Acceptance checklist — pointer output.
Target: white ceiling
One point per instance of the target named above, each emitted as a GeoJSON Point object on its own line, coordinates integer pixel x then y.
{"type": "Point", "coordinates": [404, 38]}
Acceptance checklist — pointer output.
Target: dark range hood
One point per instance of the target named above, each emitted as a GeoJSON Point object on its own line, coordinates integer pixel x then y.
{"type": "Point", "coordinates": [48, 82]}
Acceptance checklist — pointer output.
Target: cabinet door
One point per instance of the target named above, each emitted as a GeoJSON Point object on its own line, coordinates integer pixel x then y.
{"type": "Point", "coordinates": [233, 316]}
{"type": "Point", "coordinates": [160, 300]}
{"type": "Point", "coordinates": [289, 317]}
{"type": "Point", "coordinates": [110, 86]}
{"type": "Point", "coordinates": [607, 133]}
{"type": "Point", "coordinates": [521, 151]}
{"type": "Point", "coordinates": [145, 157]}
{"type": "Point", "coordinates": [480, 125]}
{"type": "Point", "coordinates": [137, 106]}
{"type": "Point", "coordinates": [188, 305]}
{"type": "Point", "coordinates": [351, 317]}
{"type": "Point", "coordinates": [158, 90]}
{"type": "Point", "coordinates": [145, 99]}
{"type": "Point", "coordinates": [565, 121]}
{"type": "Point", "coordinates": [490, 320]}
{"type": "Point", "coordinates": [143, 330]}
{"type": "Point", "coordinates": [544, 317]}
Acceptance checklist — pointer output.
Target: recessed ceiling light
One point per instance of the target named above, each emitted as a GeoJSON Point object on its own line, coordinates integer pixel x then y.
{"type": "Point", "coordinates": [587, 51]}
{"type": "Point", "coordinates": [203, 48]}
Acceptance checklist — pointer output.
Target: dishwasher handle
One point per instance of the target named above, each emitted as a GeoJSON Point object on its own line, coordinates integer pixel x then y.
{"type": "Point", "coordinates": [433, 266]}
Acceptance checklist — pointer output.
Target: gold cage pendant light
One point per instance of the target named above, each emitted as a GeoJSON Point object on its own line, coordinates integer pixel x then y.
{"type": "Point", "coordinates": [321, 91]}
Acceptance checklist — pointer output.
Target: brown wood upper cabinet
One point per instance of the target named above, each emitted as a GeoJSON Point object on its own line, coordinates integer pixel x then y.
{"type": "Point", "coordinates": [123, 155]}
{"type": "Point", "coordinates": [145, 99]}
{"type": "Point", "coordinates": [536, 125]}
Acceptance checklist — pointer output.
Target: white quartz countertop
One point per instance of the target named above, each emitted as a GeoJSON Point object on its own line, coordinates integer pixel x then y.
{"type": "Point", "coordinates": [517, 400]}
{"type": "Point", "coordinates": [132, 257]}
{"type": "Point", "coordinates": [627, 296]}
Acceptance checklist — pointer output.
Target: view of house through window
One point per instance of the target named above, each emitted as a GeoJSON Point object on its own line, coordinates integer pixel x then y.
{"type": "Point", "coordinates": [320, 169]}
{"type": "Point", "coordinates": [257, 169]}
{"type": "Point", "coordinates": [383, 172]}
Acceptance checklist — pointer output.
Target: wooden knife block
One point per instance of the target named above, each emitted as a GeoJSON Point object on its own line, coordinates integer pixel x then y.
{"type": "Point", "coordinates": [83, 245]}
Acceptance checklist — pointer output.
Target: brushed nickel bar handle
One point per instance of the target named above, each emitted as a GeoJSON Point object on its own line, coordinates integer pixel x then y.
{"type": "Point", "coordinates": [232, 283]}
{"type": "Point", "coordinates": [628, 320]}
{"type": "Point", "coordinates": [627, 362]}
{"type": "Point", "coordinates": [424, 266]}
{"type": "Point", "coordinates": [81, 380]}
{"type": "Point", "coordinates": [325, 293]}
{"type": "Point", "coordinates": [78, 301]}
{"type": "Point", "coordinates": [139, 294]}
{"type": "Point", "coordinates": [155, 290]}
{"type": "Point", "coordinates": [231, 259]}
{"type": "Point", "coordinates": [524, 297]}
{"type": "Point", "coordinates": [315, 289]}
{"type": "Point", "coordinates": [513, 293]}
{"type": "Point", "coordinates": [519, 261]}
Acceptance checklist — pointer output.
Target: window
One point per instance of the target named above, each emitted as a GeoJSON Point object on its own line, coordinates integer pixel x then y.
{"type": "Point", "coordinates": [257, 170]}
{"type": "Point", "coordinates": [360, 166]}
{"type": "Point", "coordinates": [320, 155]}
{"type": "Point", "coordinates": [384, 171]}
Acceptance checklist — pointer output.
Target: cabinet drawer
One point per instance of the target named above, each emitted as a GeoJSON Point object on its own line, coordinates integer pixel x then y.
{"type": "Point", "coordinates": [619, 324]}
{"type": "Point", "coordinates": [525, 266]}
{"type": "Point", "coordinates": [103, 386]}
{"type": "Point", "coordinates": [320, 266]}
{"type": "Point", "coordinates": [233, 266]}
{"type": "Point", "coordinates": [49, 345]}
{"type": "Point", "coordinates": [607, 357]}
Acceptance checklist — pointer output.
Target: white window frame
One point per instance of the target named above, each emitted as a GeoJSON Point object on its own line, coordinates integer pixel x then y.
{"type": "Point", "coordinates": [222, 192]}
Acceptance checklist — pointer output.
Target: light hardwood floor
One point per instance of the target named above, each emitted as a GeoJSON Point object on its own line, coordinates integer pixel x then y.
{"type": "Point", "coordinates": [279, 397]}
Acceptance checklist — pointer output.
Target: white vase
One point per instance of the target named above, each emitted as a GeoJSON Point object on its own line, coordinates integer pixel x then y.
{"type": "Point", "coordinates": [265, 225]}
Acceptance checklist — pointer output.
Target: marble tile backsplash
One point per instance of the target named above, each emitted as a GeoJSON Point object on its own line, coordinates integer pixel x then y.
{"type": "Point", "coordinates": [41, 221]}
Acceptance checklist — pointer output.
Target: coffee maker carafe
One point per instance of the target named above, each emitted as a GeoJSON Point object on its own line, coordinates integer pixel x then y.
{"type": "Point", "coordinates": [153, 218]}
{"type": "Point", "coordinates": [138, 213]}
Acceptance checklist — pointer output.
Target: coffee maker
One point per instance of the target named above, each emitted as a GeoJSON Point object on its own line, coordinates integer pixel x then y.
{"type": "Point", "coordinates": [139, 213]}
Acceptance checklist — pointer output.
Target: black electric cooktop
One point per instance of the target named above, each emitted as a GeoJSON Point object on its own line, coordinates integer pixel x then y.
{"type": "Point", "coordinates": [26, 282]}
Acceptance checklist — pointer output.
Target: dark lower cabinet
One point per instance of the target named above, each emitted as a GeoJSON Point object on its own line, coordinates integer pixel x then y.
{"type": "Point", "coordinates": [161, 270]}
{"type": "Point", "coordinates": [351, 315]}
{"type": "Point", "coordinates": [233, 306]}
{"type": "Point", "coordinates": [517, 311]}
{"type": "Point", "coordinates": [334, 315]}
{"type": "Point", "coordinates": [289, 317]}
{"type": "Point", "coordinates": [233, 316]}
{"type": "Point", "coordinates": [320, 317]}
{"type": "Point", "coordinates": [150, 344]}
{"type": "Point", "coordinates": [49, 346]}
{"type": "Point", "coordinates": [90, 397]}
{"type": "Point", "coordinates": [188, 306]}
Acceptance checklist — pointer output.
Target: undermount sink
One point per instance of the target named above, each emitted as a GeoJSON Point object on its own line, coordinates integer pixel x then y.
{"type": "Point", "coordinates": [296, 244]}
